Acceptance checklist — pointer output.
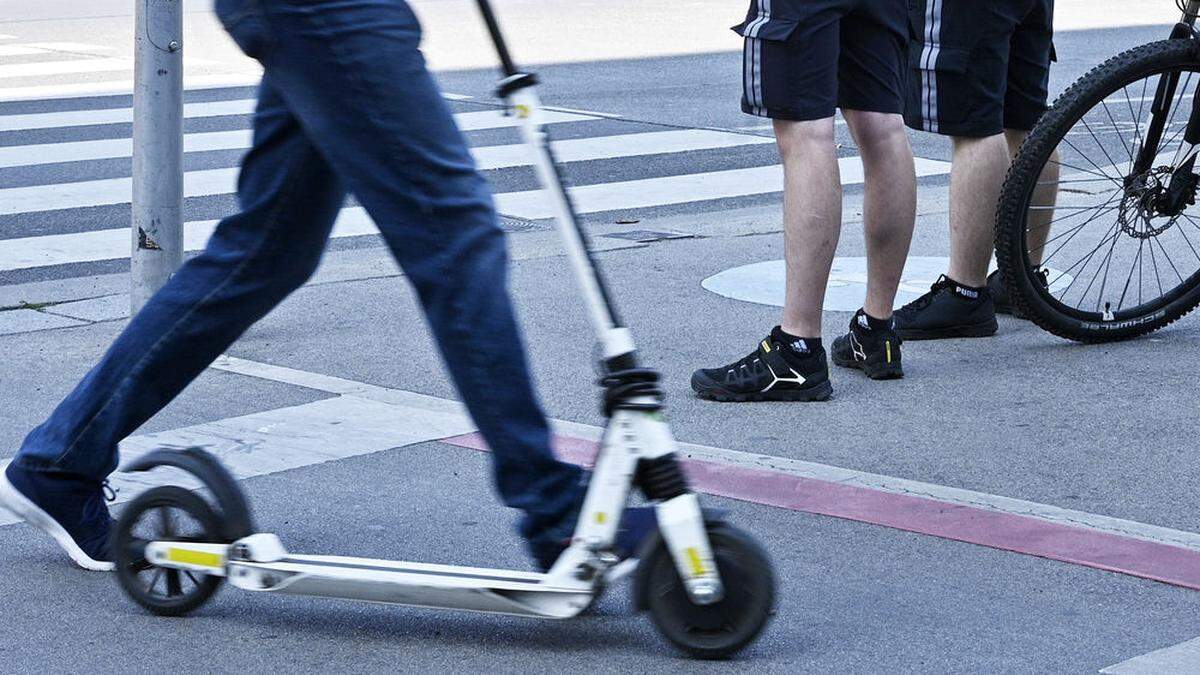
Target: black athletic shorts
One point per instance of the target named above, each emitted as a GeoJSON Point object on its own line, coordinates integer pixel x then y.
{"type": "Point", "coordinates": [803, 59]}
{"type": "Point", "coordinates": [978, 67]}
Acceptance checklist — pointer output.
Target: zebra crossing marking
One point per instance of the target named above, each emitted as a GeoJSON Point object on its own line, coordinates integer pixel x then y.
{"type": "Point", "coordinates": [75, 66]}
{"type": "Point", "coordinates": [122, 87]}
{"type": "Point", "coordinates": [671, 190]}
{"type": "Point", "coordinates": [489, 157]}
{"type": "Point", "coordinates": [113, 243]}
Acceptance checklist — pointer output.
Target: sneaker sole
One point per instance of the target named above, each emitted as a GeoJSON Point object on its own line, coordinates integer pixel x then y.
{"type": "Point", "coordinates": [893, 371]}
{"type": "Point", "coordinates": [979, 330]}
{"type": "Point", "coordinates": [12, 499]}
{"type": "Point", "coordinates": [821, 392]}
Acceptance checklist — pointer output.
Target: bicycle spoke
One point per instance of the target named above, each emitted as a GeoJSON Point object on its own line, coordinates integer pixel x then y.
{"type": "Point", "coordinates": [1080, 169]}
{"type": "Point", "coordinates": [1154, 264]}
{"type": "Point", "coordinates": [1138, 141]}
{"type": "Point", "coordinates": [1069, 182]}
{"type": "Point", "coordinates": [1129, 279]}
{"type": "Point", "coordinates": [1107, 264]}
{"type": "Point", "coordinates": [1077, 229]}
{"type": "Point", "coordinates": [1168, 257]}
{"type": "Point", "coordinates": [1100, 145]}
{"type": "Point", "coordinates": [1125, 146]}
{"type": "Point", "coordinates": [1112, 231]}
{"type": "Point", "coordinates": [1067, 208]}
{"type": "Point", "coordinates": [1099, 171]}
{"type": "Point", "coordinates": [1185, 237]}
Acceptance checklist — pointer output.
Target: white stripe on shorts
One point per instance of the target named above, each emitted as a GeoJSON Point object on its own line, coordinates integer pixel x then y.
{"type": "Point", "coordinates": [753, 58]}
{"type": "Point", "coordinates": [929, 57]}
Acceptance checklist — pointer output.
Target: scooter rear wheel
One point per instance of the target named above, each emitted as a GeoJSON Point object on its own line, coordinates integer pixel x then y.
{"type": "Point", "coordinates": [167, 513]}
{"type": "Point", "coordinates": [723, 628]}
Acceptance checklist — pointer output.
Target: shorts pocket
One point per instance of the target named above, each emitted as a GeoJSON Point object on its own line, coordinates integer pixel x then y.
{"type": "Point", "coordinates": [775, 30]}
{"type": "Point", "coordinates": [938, 58]}
{"type": "Point", "coordinates": [939, 89]}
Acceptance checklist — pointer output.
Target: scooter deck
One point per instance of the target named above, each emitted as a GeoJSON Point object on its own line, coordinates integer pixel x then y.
{"type": "Point", "coordinates": [260, 563]}
{"type": "Point", "coordinates": [417, 584]}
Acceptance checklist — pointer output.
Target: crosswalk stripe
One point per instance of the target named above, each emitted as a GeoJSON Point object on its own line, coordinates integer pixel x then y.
{"type": "Point", "coordinates": [79, 118]}
{"type": "Point", "coordinates": [76, 66]}
{"type": "Point", "coordinates": [121, 87]}
{"type": "Point", "coordinates": [209, 182]}
{"type": "Point", "coordinates": [114, 244]}
{"type": "Point", "coordinates": [650, 192]}
{"type": "Point", "coordinates": [496, 157]}
{"type": "Point", "coordinates": [20, 50]}
{"type": "Point", "coordinates": [64, 67]}
{"type": "Point", "coordinates": [72, 47]}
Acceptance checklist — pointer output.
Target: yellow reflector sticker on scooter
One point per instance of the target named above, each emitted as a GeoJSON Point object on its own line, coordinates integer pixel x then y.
{"type": "Point", "coordinates": [697, 564]}
{"type": "Point", "coordinates": [198, 558]}
{"type": "Point", "coordinates": [601, 517]}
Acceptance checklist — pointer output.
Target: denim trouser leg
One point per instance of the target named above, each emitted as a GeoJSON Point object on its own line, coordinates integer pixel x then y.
{"type": "Point", "coordinates": [289, 200]}
{"type": "Point", "coordinates": [346, 101]}
{"type": "Point", "coordinates": [352, 73]}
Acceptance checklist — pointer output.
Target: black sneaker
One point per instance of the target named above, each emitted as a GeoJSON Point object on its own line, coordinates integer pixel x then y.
{"type": "Point", "coordinates": [71, 510]}
{"type": "Point", "coordinates": [773, 372]}
{"type": "Point", "coordinates": [999, 291]}
{"type": "Point", "coordinates": [948, 310]}
{"type": "Point", "coordinates": [875, 352]}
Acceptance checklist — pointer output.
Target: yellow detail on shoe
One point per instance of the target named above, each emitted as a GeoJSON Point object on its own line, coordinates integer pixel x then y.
{"type": "Point", "coordinates": [766, 346]}
{"type": "Point", "coordinates": [694, 560]}
{"type": "Point", "coordinates": [199, 558]}
{"type": "Point", "coordinates": [888, 345]}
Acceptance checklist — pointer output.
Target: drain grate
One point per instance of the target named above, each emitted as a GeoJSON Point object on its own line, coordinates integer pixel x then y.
{"type": "Point", "coordinates": [646, 236]}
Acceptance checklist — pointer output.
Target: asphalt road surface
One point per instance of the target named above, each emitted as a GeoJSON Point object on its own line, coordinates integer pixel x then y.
{"type": "Point", "coordinates": [1015, 504]}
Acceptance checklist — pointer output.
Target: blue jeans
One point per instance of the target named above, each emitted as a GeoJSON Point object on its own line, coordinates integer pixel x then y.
{"type": "Point", "coordinates": [346, 105]}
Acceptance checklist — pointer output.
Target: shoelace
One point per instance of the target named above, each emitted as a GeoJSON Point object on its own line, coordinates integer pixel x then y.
{"type": "Point", "coordinates": [110, 492]}
{"type": "Point", "coordinates": [748, 365]}
{"type": "Point", "coordinates": [922, 302]}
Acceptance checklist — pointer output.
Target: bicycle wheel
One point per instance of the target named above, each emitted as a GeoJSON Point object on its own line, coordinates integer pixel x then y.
{"type": "Point", "coordinates": [1097, 237]}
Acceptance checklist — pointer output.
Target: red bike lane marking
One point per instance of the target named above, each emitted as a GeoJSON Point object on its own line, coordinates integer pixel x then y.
{"type": "Point", "coordinates": [1004, 531]}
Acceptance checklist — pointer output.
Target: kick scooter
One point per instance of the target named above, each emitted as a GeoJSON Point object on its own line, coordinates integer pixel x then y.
{"type": "Point", "coordinates": [708, 587]}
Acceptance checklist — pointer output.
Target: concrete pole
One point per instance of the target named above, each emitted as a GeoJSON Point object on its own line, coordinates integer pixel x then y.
{"type": "Point", "coordinates": [157, 147]}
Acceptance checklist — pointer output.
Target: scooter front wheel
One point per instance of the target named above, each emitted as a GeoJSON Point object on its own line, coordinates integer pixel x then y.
{"type": "Point", "coordinates": [725, 627]}
{"type": "Point", "coordinates": [167, 513]}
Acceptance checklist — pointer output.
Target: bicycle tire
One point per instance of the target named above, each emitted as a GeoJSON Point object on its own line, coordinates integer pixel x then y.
{"type": "Point", "coordinates": [1024, 288]}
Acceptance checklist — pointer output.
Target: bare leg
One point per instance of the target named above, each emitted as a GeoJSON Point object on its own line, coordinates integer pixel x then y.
{"type": "Point", "coordinates": [890, 206]}
{"type": "Point", "coordinates": [812, 218]}
{"type": "Point", "coordinates": [975, 180]}
{"type": "Point", "coordinates": [1045, 194]}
